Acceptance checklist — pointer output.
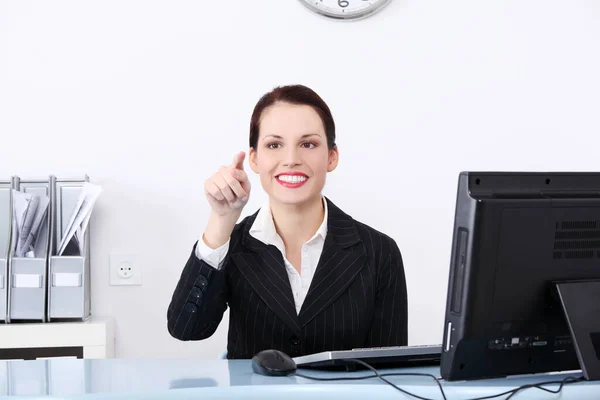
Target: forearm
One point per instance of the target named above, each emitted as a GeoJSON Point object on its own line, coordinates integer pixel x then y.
{"type": "Point", "coordinates": [198, 302]}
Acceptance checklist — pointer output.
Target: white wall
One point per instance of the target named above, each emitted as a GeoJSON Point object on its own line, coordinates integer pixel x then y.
{"type": "Point", "coordinates": [149, 97]}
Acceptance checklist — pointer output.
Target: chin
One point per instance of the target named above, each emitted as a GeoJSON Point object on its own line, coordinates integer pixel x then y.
{"type": "Point", "coordinates": [293, 198]}
{"type": "Point", "coordinates": [290, 200]}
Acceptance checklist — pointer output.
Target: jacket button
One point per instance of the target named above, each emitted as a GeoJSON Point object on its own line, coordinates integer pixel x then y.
{"type": "Point", "coordinates": [191, 308]}
{"type": "Point", "coordinates": [196, 294]}
{"type": "Point", "coordinates": [201, 282]}
{"type": "Point", "coordinates": [295, 340]}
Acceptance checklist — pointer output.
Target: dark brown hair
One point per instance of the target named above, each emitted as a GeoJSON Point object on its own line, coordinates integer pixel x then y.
{"type": "Point", "coordinates": [293, 94]}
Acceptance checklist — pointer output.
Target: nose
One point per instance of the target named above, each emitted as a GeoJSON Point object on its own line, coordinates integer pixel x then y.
{"type": "Point", "coordinates": [292, 157]}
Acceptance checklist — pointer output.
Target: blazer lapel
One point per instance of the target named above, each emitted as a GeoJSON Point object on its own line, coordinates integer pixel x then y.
{"type": "Point", "coordinates": [339, 264]}
{"type": "Point", "coordinates": [264, 269]}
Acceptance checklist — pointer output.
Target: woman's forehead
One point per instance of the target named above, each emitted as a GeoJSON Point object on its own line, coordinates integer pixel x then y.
{"type": "Point", "coordinates": [291, 121]}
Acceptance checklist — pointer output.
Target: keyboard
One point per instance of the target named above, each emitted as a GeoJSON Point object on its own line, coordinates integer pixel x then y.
{"type": "Point", "coordinates": [382, 357]}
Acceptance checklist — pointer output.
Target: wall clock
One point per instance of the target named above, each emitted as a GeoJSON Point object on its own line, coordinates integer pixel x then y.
{"type": "Point", "coordinates": [345, 9]}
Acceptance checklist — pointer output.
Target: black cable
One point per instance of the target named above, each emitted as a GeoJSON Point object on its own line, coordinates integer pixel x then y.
{"type": "Point", "coordinates": [380, 376]}
{"type": "Point", "coordinates": [358, 378]}
{"type": "Point", "coordinates": [511, 393]}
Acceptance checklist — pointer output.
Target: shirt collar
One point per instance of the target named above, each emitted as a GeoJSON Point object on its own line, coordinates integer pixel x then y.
{"type": "Point", "coordinates": [264, 230]}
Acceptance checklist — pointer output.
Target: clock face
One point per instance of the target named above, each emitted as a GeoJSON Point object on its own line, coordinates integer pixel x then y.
{"type": "Point", "coordinates": [345, 9]}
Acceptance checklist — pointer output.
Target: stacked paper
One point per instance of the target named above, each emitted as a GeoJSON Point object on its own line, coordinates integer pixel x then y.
{"type": "Point", "coordinates": [29, 219]}
{"type": "Point", "coordinates": [80, 218]}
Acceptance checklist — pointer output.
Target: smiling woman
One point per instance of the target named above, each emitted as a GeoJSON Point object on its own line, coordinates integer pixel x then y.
{"type": "Point", "coordinates": [299, 275]}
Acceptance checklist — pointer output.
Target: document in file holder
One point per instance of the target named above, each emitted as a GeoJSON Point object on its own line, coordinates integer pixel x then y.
{"type": "Point", "coordinates": [29, 212]}
{"type": "Point", "coordinates": [72, 239]}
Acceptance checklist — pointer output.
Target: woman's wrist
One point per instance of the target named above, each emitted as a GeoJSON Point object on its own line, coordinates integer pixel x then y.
{"type": "Point", "coordinates": [219, 228]}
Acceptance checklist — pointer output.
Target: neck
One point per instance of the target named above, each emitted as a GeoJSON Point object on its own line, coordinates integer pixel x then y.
{"type": "Point", "coordinates": [297, 223]}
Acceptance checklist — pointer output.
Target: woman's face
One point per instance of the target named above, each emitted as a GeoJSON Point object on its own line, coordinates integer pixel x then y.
{"type": "Point", "coordinates": [291, 156]}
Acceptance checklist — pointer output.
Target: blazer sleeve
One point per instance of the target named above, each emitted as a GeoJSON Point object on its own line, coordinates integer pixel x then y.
{"type": "Point", "coordinates": [390, 320]}
{"type": "Point", "coordinates": [198, 302]}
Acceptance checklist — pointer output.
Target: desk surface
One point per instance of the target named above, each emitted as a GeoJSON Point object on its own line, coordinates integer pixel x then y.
{"type": "Point", "coordinates": [222, 379]}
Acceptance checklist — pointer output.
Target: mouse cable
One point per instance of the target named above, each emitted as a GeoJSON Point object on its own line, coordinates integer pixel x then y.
{"type": "Point", "coordinates": [380, 376]}
{"type": "Point", "coordinates": [511, 393]}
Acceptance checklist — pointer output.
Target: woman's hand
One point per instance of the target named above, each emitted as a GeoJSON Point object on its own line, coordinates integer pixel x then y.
{"type": "Point", "coordinates": [228, 189]}
{"type": "Point", "coordinates": [227, 192]}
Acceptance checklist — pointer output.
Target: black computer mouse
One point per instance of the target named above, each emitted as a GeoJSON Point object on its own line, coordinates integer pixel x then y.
{"type": "Point", "coordinates": [273, 363]}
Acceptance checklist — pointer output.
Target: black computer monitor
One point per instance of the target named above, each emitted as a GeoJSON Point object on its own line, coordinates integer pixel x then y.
{"type": "Point", "coordinates": [516, 235]}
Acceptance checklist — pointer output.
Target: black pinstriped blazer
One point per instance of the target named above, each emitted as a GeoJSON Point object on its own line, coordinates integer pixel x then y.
{"type": "Point", "coordinates": [357, 297]}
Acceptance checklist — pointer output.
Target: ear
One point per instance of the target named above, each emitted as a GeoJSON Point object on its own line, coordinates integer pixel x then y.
{"type": "Point", "coordinates": [252, 160]}
{"type": "Point", "coordinates": [334, 156]}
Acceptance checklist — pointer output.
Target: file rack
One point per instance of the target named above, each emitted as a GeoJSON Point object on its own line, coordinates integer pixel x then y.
{"type": "Point", "coordinates": [69, 285]}
{"type": "Point", "coordinates": [27, 276]}
{"type": "Point", "coordinates": [47, 287]}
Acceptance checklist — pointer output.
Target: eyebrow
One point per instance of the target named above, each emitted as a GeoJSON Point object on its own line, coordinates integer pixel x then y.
{"type": "Point", "coordinates": [302, 137]}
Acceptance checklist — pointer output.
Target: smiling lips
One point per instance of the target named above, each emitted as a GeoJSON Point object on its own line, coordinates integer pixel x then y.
{"type": "Point", "coordinates": [292, 180]}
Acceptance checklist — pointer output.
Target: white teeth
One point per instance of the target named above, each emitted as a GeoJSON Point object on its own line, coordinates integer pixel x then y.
{"type": "Point", "coordinates": [292, 178]}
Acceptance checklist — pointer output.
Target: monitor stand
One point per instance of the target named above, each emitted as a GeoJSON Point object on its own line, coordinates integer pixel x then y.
{"type": "Point", "coordinates": [581, 304]}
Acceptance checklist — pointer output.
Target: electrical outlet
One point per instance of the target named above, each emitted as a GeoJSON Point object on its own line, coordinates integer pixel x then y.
{"type": "Point", "coordinates": [125, 270]}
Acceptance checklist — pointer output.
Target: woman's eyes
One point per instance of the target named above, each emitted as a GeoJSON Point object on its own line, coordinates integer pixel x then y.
{"type": "Point", "coordinates": [306, 145]}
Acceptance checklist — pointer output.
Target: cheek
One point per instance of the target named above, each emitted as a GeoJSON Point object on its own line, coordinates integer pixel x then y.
{"type": "Point", "coordinates": [266, 169]}
{"type": "Point", "coordinates": [319, 165]}
{"type": "Point", "coordinates": [264, 164]}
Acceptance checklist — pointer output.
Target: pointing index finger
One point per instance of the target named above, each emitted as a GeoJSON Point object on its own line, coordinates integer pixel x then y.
{"type": "Point", "coordinates": [238, 160]}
